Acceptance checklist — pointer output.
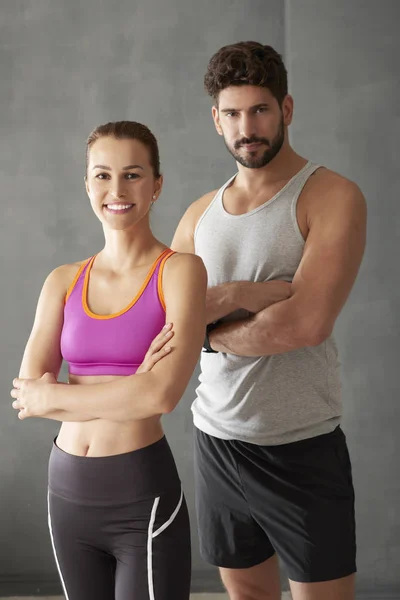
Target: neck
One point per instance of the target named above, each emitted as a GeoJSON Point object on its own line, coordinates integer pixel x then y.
{"type": "Point", "coordinates": [282, 168]}
{"type": "Point", "coordinates": [127, 249]}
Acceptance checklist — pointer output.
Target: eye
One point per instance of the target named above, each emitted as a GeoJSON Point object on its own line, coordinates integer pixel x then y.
{"type": "Point", "coordinates": [232, 113]}
{"type": "Point", "coordinates": [262, 109]}
{"type": "Point", "coordinates": [132, 176]}
{"type": "Point", "coordinates": [102, 176]}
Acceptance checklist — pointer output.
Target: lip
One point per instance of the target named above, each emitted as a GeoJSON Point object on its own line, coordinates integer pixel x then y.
{"type": "Point", "coordinates": [253, 146]}
{"type": "Point", "coordinates": [121, 211]}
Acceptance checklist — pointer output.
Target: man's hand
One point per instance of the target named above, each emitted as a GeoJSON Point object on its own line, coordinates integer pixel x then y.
{"type": "Point", "coordinates": [157, 349]}
{"type": "Point", "coordinates": [33, 396]}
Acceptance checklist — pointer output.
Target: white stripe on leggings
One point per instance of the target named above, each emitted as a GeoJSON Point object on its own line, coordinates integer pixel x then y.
{"type": "Point", "coordinates": [172, 517]}
{"type": "Point", "coordinates": [150, 549]}
{"type": "Point", "coordinates": [54, 548]}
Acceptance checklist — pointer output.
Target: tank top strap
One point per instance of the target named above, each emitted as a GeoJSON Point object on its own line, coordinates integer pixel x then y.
{"type": "Point", "coordinates": [79, 277]}
{"type": "Point", "coordinates": [159, 273]}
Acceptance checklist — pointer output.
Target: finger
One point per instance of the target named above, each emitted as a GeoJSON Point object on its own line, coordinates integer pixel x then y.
{"type": "Point", "coordinates": [14, 393]}
{"type": "Point", "coordinates": [157, 344]}
{"type": "Point", "coordinates": [160, 341]}
{"type": "Point", "coordinates": [17, 404]}
{"type": "Point", "coordinates": [165, 332]}
{"type": "Point", "coordinates": [22, 415]}
{"type": "Point", "coordinates": [155, 358]}
{"type": "Point", "coordinates": [17, 382]}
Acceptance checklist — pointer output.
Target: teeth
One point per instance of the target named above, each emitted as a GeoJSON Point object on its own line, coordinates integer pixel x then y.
{"type": "Point", "coordinates": [118, 206]}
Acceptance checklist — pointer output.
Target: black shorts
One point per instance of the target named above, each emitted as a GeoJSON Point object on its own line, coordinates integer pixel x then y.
{"type": "Point", "coordinates": [293, 499]}
{"type": "Point", "coordinates": [119, 525]}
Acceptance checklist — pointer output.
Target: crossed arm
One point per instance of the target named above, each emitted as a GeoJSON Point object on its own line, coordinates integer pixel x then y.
{"type": "Point", "coordinates": [141, 395]}
{"type": "Point", "coordinates": [303, 314]}
{"type": "Point", "coordinates": [42, 352]}
{"type": "Point", "coordinates": [329, 266]}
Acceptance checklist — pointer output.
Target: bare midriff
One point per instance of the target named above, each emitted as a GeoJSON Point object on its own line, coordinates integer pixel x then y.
{"type": "Point", "coordinates": [104, 437]}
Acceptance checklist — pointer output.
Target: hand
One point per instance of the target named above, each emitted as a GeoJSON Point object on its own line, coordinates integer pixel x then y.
{"type": "Point", "coordinates": [32, 396]}
{"type": "Point", "coordinates": [157, 349]}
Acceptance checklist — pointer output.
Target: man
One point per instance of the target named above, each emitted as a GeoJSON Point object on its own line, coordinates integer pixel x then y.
{"type": "Point", "coordinates": [282, 242]}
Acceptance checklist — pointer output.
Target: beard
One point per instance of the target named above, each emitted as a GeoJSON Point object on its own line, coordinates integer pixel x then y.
{"type": "Point", "coordinates": [252, 160]}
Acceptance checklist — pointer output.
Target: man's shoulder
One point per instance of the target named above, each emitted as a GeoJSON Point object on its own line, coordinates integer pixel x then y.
{"type": "Point", "coordinates": [329, 192]}
{"type": "Point", "coordinates": [199, 206]}
{"type": "Point", "coordinates": [202, 203]}
{"type": "Point", "coordinates": [327, 181]}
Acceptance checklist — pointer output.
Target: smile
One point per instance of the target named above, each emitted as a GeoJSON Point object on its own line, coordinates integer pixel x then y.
{"type": "Point", "coordinates": [118, 208]}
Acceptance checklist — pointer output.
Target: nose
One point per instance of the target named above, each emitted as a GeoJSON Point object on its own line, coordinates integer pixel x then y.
{"type": "Point", "coordinates": [117, 190]}
{"type": "Point", "coordinates": [247, 126]}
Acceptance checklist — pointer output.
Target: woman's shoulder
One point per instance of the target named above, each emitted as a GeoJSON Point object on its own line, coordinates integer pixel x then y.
{"type": "Point", "coordinates": [185, 260]}
{"type": "Point", "coordinates": [61, 278]}
{"type": "Point", "coordinates": [185, 265]}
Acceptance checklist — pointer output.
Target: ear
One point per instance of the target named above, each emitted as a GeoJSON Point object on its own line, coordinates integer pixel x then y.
{"type": "Point", "coordinates": [287, 110]}
{"type": "Point", "coordinates": [86, 186]}
{"type": "Point", "coordinates": [158, 186]}
{"type": "Point", "coordinates": [215, 116]}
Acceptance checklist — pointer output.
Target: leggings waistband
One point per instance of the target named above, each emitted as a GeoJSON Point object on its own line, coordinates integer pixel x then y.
{"type": "Point", "coordinates": [113, 480]}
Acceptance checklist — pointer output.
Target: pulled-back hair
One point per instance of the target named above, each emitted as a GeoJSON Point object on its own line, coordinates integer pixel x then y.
{"type": "Point", "coordinates": [131, 130]}
{"type": "Point", "coordinates": [247, 63]}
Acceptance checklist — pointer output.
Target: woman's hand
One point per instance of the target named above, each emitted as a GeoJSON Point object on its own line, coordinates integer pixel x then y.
{"type": "Point", "coordinates": [157, 350]}
{"type": "Point", "coordinates": [33, 396]}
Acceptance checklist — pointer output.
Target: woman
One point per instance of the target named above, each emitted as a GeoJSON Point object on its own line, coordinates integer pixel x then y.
{"type": "Point", "coordinates": [118, 520]}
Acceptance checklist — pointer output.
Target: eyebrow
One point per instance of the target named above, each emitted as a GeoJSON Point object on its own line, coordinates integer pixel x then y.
{"type": "Point", "coordinates": [123, 168]}
{"type": "Point", "coordinates": [226, 110]}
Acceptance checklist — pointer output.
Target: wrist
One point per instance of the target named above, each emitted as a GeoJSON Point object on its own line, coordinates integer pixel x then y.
{"type": "Point", "coordinates": [50, 397]}
{"type": "Point", "coordinates": [242, 291]}
{"type": "Point", "coordinates": [56, 399]}
{"type": "Point", "coordinates": [207, 342]}
{"type": "Point", "coordinates": [234, 294]}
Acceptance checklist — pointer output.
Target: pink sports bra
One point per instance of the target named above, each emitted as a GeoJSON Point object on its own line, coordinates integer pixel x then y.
{"type": "Point", "coordinates": [112, 344]}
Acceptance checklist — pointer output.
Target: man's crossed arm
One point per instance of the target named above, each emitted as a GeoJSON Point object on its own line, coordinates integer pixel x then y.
{"type": "Point", "coordinates": [321, 285]}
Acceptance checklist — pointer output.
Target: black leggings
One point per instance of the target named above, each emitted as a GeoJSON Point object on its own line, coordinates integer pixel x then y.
{"type": "Point", "coordinates": [119, 525]}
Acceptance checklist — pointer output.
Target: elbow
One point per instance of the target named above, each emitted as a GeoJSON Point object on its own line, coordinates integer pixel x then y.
{"type": "Point", "coordinates": [167, 408]}
{"type": "Point", "coordinates": [167, 405]}
{"type": "Point", "coordinates": [168, 401]}
{"type": "Point", "coordinates": [315, 334]}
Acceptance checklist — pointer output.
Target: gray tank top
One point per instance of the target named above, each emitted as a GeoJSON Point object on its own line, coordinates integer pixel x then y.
{"type": "Point", "coordinates": [265, 400]}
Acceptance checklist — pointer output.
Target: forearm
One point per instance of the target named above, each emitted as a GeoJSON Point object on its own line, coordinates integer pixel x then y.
{"type": "Point", "coordinates": [67, 416]}
{"type": "Point", "coordinates": [221, 301]}
{"type": "Point", "coordinates": [128, 398]}
{"type": "Point", "coordinates": [30, 370]}
{"type": "Point", "coordinates": [275, 330]}
{"type": "Point", "coordinates": [252, 296]}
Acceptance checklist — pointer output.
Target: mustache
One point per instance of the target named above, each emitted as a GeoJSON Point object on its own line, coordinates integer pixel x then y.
{"type": "Point", "coordinates": [251, 140]}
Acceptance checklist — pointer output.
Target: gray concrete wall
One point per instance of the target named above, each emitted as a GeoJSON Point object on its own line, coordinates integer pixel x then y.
{"type": "Point", "coordinates": [343, 63]}
{"type": "Point", "coordinates": [69, 66]}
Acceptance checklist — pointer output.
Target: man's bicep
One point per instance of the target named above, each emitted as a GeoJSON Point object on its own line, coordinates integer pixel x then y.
{"type": "Point", "coordinates": [332, 256]}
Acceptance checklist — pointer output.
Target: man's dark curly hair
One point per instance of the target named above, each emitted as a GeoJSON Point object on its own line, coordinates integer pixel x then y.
{"type": "Point", "coordinates": [247, 63]}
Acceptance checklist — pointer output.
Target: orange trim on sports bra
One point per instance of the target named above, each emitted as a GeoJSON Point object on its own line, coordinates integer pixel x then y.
{"type": "Point", "coordinates": [159, 282]}
{"type": "Point", "coordinates": [135, 299]}
{"type": "Point", "coordinates": [75, 279]}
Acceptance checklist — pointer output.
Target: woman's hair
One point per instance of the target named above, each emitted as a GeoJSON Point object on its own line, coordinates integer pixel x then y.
{"type": "Point", "coordinates": [131, 130]}
{"type": "Point", "coordinates": [247, 63]}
